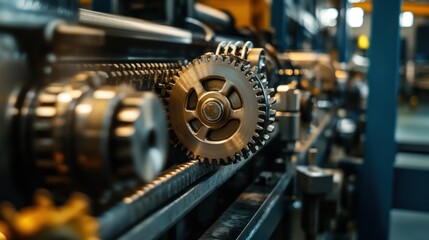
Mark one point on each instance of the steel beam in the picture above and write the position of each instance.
(376, 177)
(279, 23)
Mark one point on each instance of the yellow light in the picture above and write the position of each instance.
(341, 74)
(281, 71)
(83, 108)
(64, 97)
(296, 72)
(46, 111)
(282, 88)
(124, 131)
(129, 115)
(289, 72)
(104, 94)
(363, 42)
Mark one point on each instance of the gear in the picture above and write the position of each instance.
(46, 221)
(52, 110)
(99, 133)
(223, 114)
(136, 136)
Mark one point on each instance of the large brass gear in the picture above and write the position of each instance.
(216, 109)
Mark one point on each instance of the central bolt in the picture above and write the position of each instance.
(212, 110)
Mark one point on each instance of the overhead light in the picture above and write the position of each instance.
(355, 1)
(406, 19)
(328, 17)
(355, 17)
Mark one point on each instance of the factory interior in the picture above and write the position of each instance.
(214, 119)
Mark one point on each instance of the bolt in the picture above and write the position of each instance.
(212, 111)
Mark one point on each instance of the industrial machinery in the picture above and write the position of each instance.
(113, 126)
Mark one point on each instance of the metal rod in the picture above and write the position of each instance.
(133, 27)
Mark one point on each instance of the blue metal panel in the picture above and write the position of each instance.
(376, 177)
(279, 22)
(343, 41)
(103, 6)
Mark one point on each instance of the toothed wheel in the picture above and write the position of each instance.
(137, 137)
(214, 109)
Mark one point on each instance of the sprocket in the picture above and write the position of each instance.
(217, 110)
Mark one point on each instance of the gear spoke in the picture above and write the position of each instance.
(226, 88)
(199, 90)
(237, 114)
(189, 115)
(202, 132)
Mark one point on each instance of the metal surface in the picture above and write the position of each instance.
(151, 196)
(288, 112)
(380, 146)
(134, 28)
(228, 83)
(264, 221)
(157, 223)
(255, 213)
(36, 13)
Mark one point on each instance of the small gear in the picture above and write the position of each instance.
(87, 134)
(44, 220)
(215, 107)
(51, 115)
(136, 131)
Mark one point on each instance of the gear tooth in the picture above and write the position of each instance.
(185, 68)
(265, 83)
(202, 160)
(266, 137)
(272, 101)
(271, 119)
(260, 97)
(270, 91)
(175, 79)
(245, 152)
(256, 135)
(272, 112)
(214, 58)
(261, 76)
(259, 128)
(205, 58)
(270, 128)
(261, 105)
(196, 61)
(260, 120)
(254, 69)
